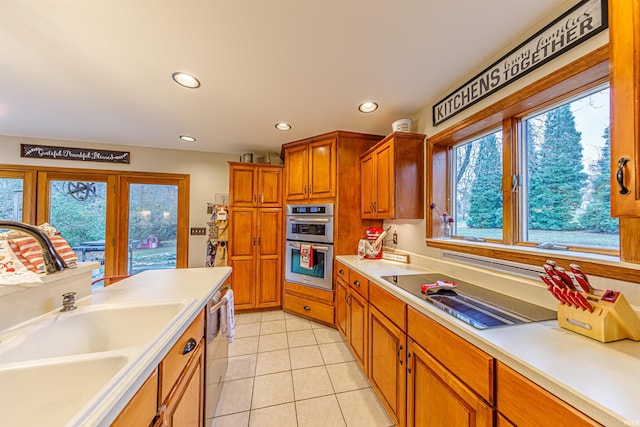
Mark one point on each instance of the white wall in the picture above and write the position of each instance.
(209, 174)
(411, 234)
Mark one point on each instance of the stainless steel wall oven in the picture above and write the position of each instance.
(310, 226)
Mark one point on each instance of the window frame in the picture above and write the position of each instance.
(578, 76)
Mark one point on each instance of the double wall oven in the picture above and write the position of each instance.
(310, 227)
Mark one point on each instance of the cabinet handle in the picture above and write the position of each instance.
(375, 206)
(254, 241)
(255, 198)
(262, 198)
(408, 364)
(258, 241)
(399, 350)
(620, 175)
(310, 189)
(304, 189)
(189, 346)
(371, 206)
(357, 283)
(307, 308)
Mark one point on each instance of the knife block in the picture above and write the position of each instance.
(609, 321)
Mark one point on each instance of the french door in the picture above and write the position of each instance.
(128, 222)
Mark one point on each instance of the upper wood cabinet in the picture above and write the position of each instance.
(392, 178)
(255, 185)
(624, 57)
(311, 170)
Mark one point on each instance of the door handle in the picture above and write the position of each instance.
(620, 175)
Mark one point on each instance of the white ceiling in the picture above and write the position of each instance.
(100, 70)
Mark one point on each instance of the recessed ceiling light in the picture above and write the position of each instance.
(186, 80)
(368, 107)
(283, 126)
(187, 138)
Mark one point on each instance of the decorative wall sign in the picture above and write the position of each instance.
(66, 153)
(581, 22)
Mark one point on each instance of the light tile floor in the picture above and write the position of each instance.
(288, 371)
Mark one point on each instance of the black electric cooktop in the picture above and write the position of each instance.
(479, 307)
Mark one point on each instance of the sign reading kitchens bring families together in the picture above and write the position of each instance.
(578, 24)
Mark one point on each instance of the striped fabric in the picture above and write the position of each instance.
(28, 248)
(20, 257)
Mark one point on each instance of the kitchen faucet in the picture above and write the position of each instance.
(52, 261)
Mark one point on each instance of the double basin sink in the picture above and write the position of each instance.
(62, 364)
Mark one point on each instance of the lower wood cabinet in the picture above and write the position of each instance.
(143, 406)
(387, 365)
(312, 303)
(436, 398)
(173, 395)
(520, 401)
(352, 320)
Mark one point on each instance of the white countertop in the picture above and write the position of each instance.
(197, 285)
(601, 380)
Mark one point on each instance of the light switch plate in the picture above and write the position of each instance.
(198, 231)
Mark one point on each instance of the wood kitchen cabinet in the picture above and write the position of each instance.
(352, 308)
(392, 178)
(436, 398)
(311, 170)
(307, 301)
(624, 60)
(520, 401)
(173, 395)
(255, 253)
(143, 406)
(255, 185)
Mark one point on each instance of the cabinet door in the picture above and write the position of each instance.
(624, 53)
(242, 186)
(367, 179)
(385, 182)
(270, 187)
(342, 308)
(296, 165)
(358, 337)
(322, 169)
(436, 398)
(269, 249)
(185, 408)
(142, 408)
(242, 249)
(387, 370)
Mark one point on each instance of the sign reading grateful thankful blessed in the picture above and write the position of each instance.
(66, 153)
(578, 24)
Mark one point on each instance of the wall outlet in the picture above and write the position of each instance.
(198, 231)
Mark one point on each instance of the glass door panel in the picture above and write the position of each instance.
(78, 210)
(153, 227)
(11, 198)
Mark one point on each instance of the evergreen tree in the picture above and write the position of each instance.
(597, 215)
(485, 204)
(557, 181)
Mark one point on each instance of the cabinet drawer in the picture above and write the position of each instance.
(309, 291)
(473, 366)
(175, 361)
(520, 400)
(359, 283)
(309, 308)
(388, 304)
(342, 271)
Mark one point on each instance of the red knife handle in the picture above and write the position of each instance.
(547, 280)
(557, 295)
(552, 263)
(565, 278)
(570, 298)
(583, 301)
(558, 281)
(582, 281)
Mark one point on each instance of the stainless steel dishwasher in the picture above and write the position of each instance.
(216, 354)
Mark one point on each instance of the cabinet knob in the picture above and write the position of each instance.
(307, 308)
(356, 283)
(189, 346)
(341, 271)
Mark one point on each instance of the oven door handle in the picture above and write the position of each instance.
(315, 247)
(309, 220)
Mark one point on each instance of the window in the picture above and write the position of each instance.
(532, 169)
(477, 187)
(565, 174)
